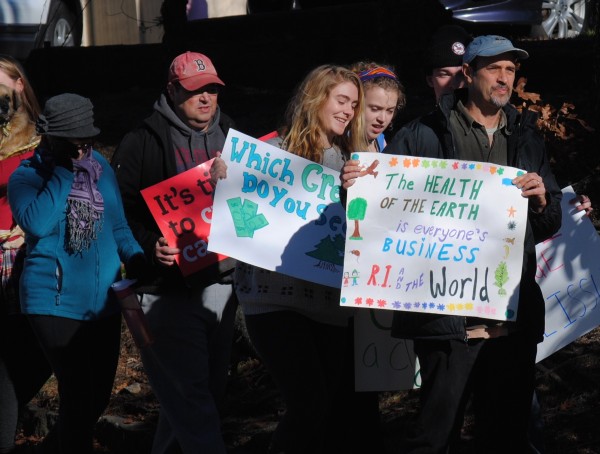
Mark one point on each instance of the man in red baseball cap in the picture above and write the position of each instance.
(192, 318)
(193, 71)
(193, 90)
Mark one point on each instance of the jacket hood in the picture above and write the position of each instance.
(163, 106)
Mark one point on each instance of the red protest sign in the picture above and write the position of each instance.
(182, 208)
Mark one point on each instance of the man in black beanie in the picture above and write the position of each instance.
(443, 60)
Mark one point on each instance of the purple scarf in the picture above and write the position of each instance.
(85, 205)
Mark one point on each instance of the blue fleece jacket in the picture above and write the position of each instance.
(53, 282)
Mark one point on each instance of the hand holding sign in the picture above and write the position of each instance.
(164, 254)
(435, 236)
(182, 208)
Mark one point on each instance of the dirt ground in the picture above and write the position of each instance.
(567, 386)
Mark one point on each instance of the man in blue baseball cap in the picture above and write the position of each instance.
(462, 355)
(491, 46)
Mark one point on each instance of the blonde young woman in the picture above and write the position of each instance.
(297, 327)
(360, 426)
(384, 98)
(19, 380)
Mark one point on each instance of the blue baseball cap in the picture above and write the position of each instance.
(490, 46)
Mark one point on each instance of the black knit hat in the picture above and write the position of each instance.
(68, 115)
(447, 47)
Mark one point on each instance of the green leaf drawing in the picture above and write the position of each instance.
(501, 277)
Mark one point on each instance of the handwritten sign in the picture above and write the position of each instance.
(381, 362)
(434, 236)
(182, 208)
(278, 211)
(568, 272)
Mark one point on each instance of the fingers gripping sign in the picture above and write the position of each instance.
(532, 187)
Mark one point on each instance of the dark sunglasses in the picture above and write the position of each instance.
(70, 148)
(212, 89)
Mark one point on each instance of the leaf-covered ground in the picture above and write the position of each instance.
(567, 385)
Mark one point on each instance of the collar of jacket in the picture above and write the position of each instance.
(513, 116)
(515, 120)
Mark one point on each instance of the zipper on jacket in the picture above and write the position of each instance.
(58, 274)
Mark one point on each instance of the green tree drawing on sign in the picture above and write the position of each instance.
(329, 252)
(357, 208)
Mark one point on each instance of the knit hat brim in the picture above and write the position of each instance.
(68, 115)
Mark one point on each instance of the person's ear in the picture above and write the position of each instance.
(171, 90)
(429, 80)
(468, 73)
(19, 85)
(16, 99)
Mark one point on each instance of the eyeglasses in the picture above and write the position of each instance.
(79, 149)
(71, 147)
(84, 147)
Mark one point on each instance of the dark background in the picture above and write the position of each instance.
(262, 57)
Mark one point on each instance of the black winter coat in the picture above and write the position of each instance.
(143, 158)
(429, 136)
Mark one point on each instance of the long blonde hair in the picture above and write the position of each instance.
(303, 128)
(13, 69)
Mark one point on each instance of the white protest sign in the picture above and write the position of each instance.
(382, 363)
(278, 211)
(568, 272)
(434, 236)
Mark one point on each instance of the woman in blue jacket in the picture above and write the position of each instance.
(66, 200)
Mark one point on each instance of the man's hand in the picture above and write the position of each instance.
(218, 170)
(532, 187)
(583, 203)
(163, 254)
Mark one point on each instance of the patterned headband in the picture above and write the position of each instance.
(378, 71)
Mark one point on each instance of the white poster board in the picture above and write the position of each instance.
(434, 236)
(568, 272)
(381, 362)
(278, 211)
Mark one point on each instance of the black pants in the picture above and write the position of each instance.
(23, 371)
(357, 428)
(84, 357)
(305, 359)
(500, 375)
